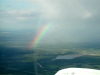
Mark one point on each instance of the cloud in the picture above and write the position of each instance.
(87, 15)
(19, 19)
(55, 9)
(74, 20)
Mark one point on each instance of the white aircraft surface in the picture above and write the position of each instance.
(78, 71)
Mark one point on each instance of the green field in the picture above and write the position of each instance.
(40, 60)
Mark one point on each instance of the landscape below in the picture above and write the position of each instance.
(46, 61)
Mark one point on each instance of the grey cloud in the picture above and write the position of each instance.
(75, 21)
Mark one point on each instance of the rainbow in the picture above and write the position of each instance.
(43, 30)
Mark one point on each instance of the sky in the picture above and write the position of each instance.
(74, 21)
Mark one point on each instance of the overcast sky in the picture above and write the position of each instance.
(75, 21)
